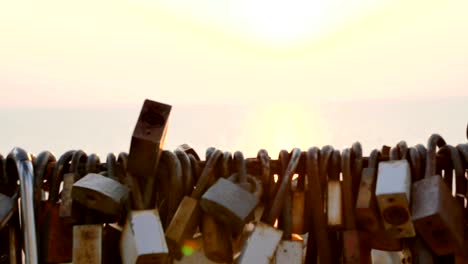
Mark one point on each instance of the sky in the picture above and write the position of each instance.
(74, 53)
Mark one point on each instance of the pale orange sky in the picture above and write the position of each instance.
(59, 53)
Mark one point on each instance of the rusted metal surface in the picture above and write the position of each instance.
(436, 214)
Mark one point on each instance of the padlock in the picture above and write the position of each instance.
(367, 214)
(135, 199)
(262, 243)
(55, 235)
(13, 231)
(230, 203)
(351, 245)
(70, 212)
(330, 169)
(262, 157)
(147, 144)
(19, 163)
(335, 194)
(217, 237)
(437, 216)
(393, 191)
(288, 249)
(104, 194)
(300, 215)
(195, 252)
(187, 217)
(457, 165)
(318, 226)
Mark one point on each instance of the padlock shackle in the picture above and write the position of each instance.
(356, 167)
(415, 162)
(92, 163)
(226, 164)
(434, 141)
(264, 159)
(22, 164)
(278, 200)
(324, 156)
(78, 158)
(402, 149)
(60, 167)
(42, 162)
(286, 213)
(394, 153)
(422, 158)
(241, 167)
(457, 165)
(204, 179)
(196, 170)
(187, 177)
(374, 158)
(349, 214)
(188, 150)
(334, 166)
(318, 225)
(131, 183)
(176, 182)
(111, 165)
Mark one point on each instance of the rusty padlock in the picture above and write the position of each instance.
(367, 214)
(437, 216)
(176, 191)
(393, 193)
(289, 249)
(87, 241)
(19, 163)
(262, 243)
(142, 239)
(187, 217)
(147, 144)
(217, 237)
(104, 194)
(300, 215)
(229, 202)
(69, 211)
(318, 226)
(8, 200)
(55, 235)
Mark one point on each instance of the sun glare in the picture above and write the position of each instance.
(272, 22)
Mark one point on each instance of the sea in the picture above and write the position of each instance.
(247, 127)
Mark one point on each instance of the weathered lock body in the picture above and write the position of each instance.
(299, 217)
(288, 249)
(318, 228)
(393, 192)
(56, 237)
(147, 144)
(69, 211)
(229, 202)
(262, 243)
(217, 237)
(187, 216)
(87, 244)
(437, 216)
(367, 214)
(111, 234)
(143, 238)
(100, 193)
(19, 163)
(195, 252)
